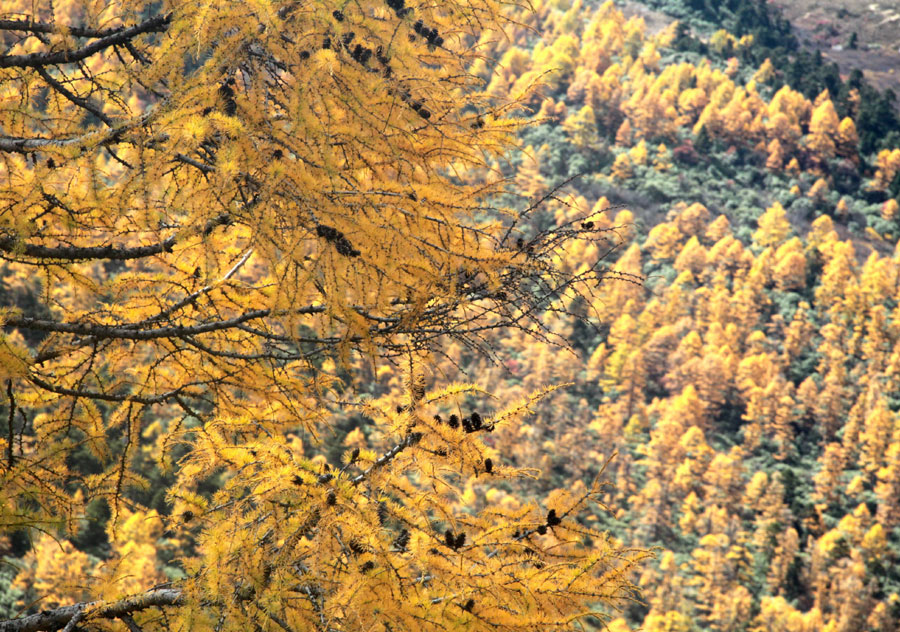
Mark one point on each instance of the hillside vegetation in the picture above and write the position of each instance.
(749, 388)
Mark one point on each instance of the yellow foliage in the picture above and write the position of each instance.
(233, 214)
(765, 72)
(732, 66)
(638, 153)
(821, 231)
(874, 541)
(823, 128)
(888, 164)
(718, 229)
(664, 240)
(841, 208)
(662, 160)
(777, 615)
(13, 356)
(847, 138)
(818, 190)
(790, 266)
(57, 571)
(623, 134)
(692, 257)
(773, 226)
(622, 168)
(582, 127)
(775, 159)
(721, 40)
(316, 155)
(671, 621)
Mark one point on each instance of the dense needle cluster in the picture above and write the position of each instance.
(366, 567)
(384, 61)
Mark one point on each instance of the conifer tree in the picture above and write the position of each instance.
(824, 128)
(225, 209)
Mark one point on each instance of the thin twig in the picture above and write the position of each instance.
(12, 412)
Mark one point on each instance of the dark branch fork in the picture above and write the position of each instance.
(156, 24)
(81, 102)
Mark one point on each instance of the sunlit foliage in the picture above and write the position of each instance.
(217, 219)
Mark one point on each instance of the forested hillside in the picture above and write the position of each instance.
(728, 394)
(749, 387)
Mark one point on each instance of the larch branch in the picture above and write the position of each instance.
(127, 332)
(59, 618)
(387, 457)
(34, 60)
(104, 397)
(29, 145)
(109, 252)
(44, 27)
(85, 104)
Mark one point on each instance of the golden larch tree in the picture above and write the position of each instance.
(224, 210)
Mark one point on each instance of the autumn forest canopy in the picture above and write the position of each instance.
(396, 316)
